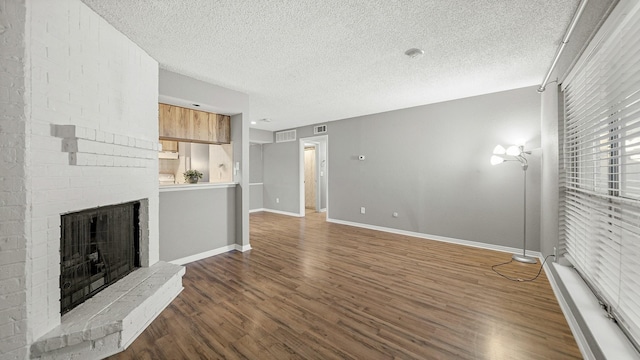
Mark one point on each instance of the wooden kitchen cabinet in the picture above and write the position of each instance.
(169, 145)
(174, 122)
(199, 125)
(219, 126)
(182, 124)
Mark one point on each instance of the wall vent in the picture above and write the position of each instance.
(286, 136)
(320, 129)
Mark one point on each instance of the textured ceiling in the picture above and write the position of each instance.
(310, 61)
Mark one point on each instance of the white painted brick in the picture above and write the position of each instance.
(76, 58)
(6, 330)
(12, 346)
(13, 299)
(12, 315)
(11, 286)
(10, 243)
(12, 212)
(10, 257)
(8, 271)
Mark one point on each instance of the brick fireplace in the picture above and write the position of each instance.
(79, 131)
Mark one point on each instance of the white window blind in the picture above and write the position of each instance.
(600, 209)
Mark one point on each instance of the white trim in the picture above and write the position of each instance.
(255, 184)
(607, 335)
(206, 254)
(203, 255)
(199, 186)
(322, 210)
(256, 210)
(243, 248)
(301, 194)
(578, 335)
(475, 244)
(283, 212)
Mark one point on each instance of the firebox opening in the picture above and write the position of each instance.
(98, 247)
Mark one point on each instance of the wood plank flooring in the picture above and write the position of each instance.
(316, 290)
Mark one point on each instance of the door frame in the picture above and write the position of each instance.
(317, 141)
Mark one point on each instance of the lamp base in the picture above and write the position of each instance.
(524, 259)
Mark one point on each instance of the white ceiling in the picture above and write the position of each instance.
(311, 61)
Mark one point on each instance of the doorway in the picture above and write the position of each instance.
(310, 181)
(313, 174)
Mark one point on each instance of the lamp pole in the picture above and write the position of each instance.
(524, 258)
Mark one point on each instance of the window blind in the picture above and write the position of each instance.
(600, 174)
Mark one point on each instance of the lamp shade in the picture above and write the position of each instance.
(514, 150)
(495, 160)
(499, 150)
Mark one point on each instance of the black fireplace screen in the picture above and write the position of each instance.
(98, 247)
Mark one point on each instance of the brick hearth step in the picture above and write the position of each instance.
(111, 320)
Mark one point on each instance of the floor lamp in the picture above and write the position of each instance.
(516, 153)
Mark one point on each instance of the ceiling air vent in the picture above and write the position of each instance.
(320, 129)
(286, 136)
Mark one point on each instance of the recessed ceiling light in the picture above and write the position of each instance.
(253, 123)
(414, 53)
(265, 120)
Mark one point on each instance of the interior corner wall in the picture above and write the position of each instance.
(240, 143)
(281, 173)
(430, 164)
(14, 209)
(102, 89)
(549, 195)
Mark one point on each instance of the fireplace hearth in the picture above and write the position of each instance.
(98, 247)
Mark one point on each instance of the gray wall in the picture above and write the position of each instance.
(255, 176)
(240, 143)
(255, 163)
(260, 136)
(431, 165)
(196, 221)
(281, 176)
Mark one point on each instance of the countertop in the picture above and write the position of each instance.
(198, 186)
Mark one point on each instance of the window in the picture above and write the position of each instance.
(600, 217)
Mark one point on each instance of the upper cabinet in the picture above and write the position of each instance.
(178, 123)
(174, 122)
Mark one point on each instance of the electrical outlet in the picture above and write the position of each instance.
(362, 210)
(395, 214)
(277, 200)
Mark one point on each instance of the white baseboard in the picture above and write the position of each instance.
(206, 254)
(256, 210)
(282, 212)
(475, 244)
(203, 255)
(243, 248)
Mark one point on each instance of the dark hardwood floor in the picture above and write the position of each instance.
(316, 290)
